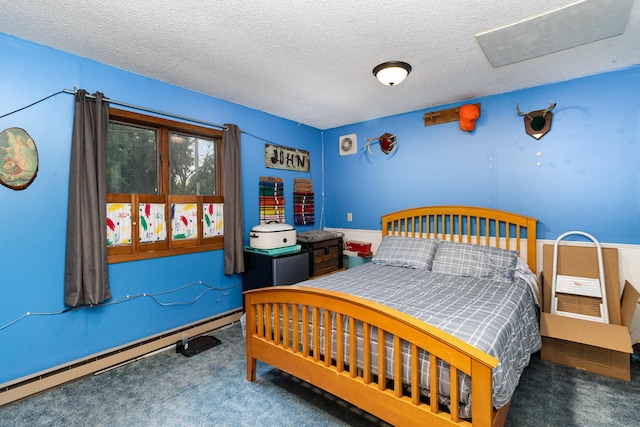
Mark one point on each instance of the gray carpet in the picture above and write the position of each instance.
(209, 389)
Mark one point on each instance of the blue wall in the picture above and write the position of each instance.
(33, 221)
(587, 178)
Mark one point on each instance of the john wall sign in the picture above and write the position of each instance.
(279, 157)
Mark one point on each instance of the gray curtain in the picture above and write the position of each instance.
(86, 274)
(232, 190)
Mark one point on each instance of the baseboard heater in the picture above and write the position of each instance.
(25, 387)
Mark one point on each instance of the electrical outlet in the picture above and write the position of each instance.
(349, 217)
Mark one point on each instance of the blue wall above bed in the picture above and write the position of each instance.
(582, 175)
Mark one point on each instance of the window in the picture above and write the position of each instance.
(164, 193)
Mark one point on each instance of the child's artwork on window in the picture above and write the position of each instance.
(213, 224)
(118, 224)
(184, 221)
(152, 222)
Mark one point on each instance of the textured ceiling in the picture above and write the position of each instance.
(311, 62)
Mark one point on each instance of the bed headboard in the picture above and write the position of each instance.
(467, 224)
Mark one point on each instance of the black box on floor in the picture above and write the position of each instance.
(197, 345)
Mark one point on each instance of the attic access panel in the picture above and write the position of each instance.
(570, 26)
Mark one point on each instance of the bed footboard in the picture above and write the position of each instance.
(360, 376)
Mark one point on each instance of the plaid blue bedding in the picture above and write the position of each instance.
(497, 317)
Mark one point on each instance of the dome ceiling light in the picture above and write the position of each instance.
(391, 73)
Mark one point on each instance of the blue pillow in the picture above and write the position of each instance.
(409, 252)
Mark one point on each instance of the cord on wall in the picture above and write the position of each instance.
(208, 288)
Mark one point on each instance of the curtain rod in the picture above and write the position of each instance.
(149, 110)
(175, 116)
(136, 107)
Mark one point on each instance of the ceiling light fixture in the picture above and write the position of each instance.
(391, 73)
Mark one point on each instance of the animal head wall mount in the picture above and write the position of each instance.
(537, 123)
(388, 143)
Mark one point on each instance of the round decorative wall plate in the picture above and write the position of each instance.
(18, 159)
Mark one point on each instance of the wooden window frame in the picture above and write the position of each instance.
(169, 247)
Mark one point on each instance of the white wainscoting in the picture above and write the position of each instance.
(628, 261)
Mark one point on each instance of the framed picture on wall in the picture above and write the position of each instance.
(18, 159)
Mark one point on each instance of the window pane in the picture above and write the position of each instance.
(132, 159)
(193, 165)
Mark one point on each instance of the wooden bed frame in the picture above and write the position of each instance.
(286, 346)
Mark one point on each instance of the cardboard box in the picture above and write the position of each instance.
(593, 346)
